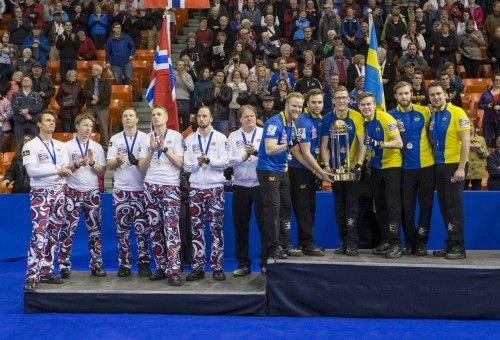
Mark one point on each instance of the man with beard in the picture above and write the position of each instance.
(417, 168)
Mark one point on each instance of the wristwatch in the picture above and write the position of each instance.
(165, 150)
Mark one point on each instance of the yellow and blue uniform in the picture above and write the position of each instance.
(417, 177)
(413, 125)
(346, 194)
(277, 128)
(308, 129)
(445, 127)
(382, 127)
(354, 122)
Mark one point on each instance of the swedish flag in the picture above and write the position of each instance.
(373, 73)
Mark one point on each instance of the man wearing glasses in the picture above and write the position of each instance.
(346, 194)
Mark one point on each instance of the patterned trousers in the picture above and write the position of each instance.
(129, 210)
(47, 219)
(88, 202)
(163, 205)
(207, 205)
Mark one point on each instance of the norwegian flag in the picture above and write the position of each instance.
(177, 3)
(161, 90)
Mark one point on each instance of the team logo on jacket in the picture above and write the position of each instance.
(302, 133)
(463, 122)
(271, 130)
(74, 156)
(196, 147)
(392, 126)
(43, 157)
(26, 153)
(314, 133)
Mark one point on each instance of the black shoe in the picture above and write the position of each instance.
(455, 254)
(219, 275)
(352, 252)
(279, 254)
(409, 249)
(124, 271)
(342, 248)
(440, 252)
(294, 252)
(195, 275)
(51, 279)
(240, 272)
(420, 250)
(65, 273)
(175, 280)
(144, 270)
(98, 272)
(313, 250)
(394, 252)
(381, 249)
(30, 284)
(159, 274)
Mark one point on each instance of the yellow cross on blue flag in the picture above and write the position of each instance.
(373, 73)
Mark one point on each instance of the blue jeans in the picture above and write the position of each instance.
(121, 72)
(221, 125)
(24, 128)
(184, 111)
(234, 123)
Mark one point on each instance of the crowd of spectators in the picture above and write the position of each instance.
(248, 52)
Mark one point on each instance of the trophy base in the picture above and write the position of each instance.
(343, 176)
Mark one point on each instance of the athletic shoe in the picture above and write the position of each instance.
(295, 252)
(352, 252)
(409, 249)
(440, 252)
(144, 270)
(124, 271)
(30, 284)
(98, 272)
(381, 249)
(175, 280)
(65, 273)
(240, 272)
(341, 249)
(455, 254)
(394, 252)
(420, 250)
(219, 275)
(159, 274)
(195, 275)
(313, 250)
(51, 279)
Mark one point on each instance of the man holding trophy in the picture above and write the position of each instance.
(343, 152)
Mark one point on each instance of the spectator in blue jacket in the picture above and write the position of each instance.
(98, 23)
(39, 46)
(26, 107)
(120, 50)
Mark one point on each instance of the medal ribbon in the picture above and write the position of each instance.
(84, 154)
(130, 150)
(208, 144)
(53, 153)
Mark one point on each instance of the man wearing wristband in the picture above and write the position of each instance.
(47, 166)
(206, 156)
(128, 193)
(383, 141)
(304, 169)
(278, 138)
(417, 174)
(345, 193)
(162, 162)
(87, 161)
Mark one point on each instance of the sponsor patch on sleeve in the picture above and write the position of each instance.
(271, 130)
(26, 153)
(463, 122)
(392, 127)
(301, 133)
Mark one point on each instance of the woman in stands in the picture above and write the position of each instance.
(200, 86)
(16, 174)
(280, 93)
(71, 100)
(478, 151)
(5, 115)
(455, 79)
(310, 59)
(490, 103)
(493, 165)
(469, 45)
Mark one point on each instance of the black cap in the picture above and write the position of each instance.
(37, 64)
(267, 98)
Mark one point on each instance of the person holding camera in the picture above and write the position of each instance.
(490, 103)
(128, 193)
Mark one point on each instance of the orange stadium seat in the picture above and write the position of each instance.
(100, 54)
(476, 81)
(83, 66)
(148, 55)
(123, 92)
(141, 70)
(63, 136)
(96, 137)
(115, 108)
(476, 88)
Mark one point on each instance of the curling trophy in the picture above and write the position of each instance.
(339, 147)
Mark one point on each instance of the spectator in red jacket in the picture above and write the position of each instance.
(87, 48)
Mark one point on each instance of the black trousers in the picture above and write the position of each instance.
(275, 193)
(475, 184)
(243, 199)
(471, 67)
(346, 202)
(303, 194)
(450, 204)
(386, 187)
(417, 183)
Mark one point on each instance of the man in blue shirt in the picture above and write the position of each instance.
(278, 138)
(120, 50)
(303, 171)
